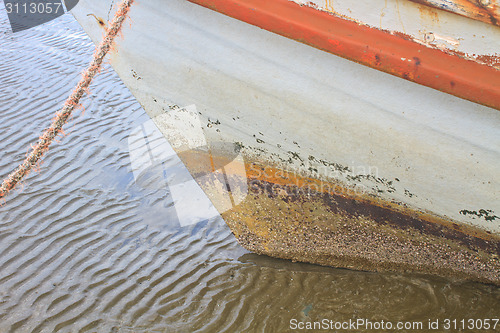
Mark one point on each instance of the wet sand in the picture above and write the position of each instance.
(85, 246)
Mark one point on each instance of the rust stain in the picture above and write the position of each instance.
(331, 231)
(275, 175)
(490, 60)
(203, 161)
(329, 6)
(399, 16)
(427, 13)
(99, 20)
(474, 81)
(292, 216)
(382, 13)
(487, 11)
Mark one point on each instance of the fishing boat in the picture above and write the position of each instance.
(353, 134)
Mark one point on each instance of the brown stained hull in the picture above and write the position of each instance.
(303, 219)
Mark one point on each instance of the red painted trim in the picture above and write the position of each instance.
(369, 46)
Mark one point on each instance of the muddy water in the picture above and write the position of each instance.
(89, 246)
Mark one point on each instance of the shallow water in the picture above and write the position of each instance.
(88, 246)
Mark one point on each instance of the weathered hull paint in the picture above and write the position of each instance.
(394, 54)
(487, 11)
(303, 131)
(332, 230)
(427, 25)
(302, 219)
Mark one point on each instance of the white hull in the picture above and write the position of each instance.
(299, 108)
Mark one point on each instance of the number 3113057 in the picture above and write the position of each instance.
(33, 8)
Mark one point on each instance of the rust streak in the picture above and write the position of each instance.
(429, 12)
(487, 11)
(201, 162)
(297, 217)
(277, 176)
(98, 19)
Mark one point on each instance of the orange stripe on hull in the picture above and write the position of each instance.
(382, 50)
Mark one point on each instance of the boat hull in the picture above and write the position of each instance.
(344, 165)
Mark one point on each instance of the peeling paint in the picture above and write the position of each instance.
(382, 50)
(487, 11)
(429, 20)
